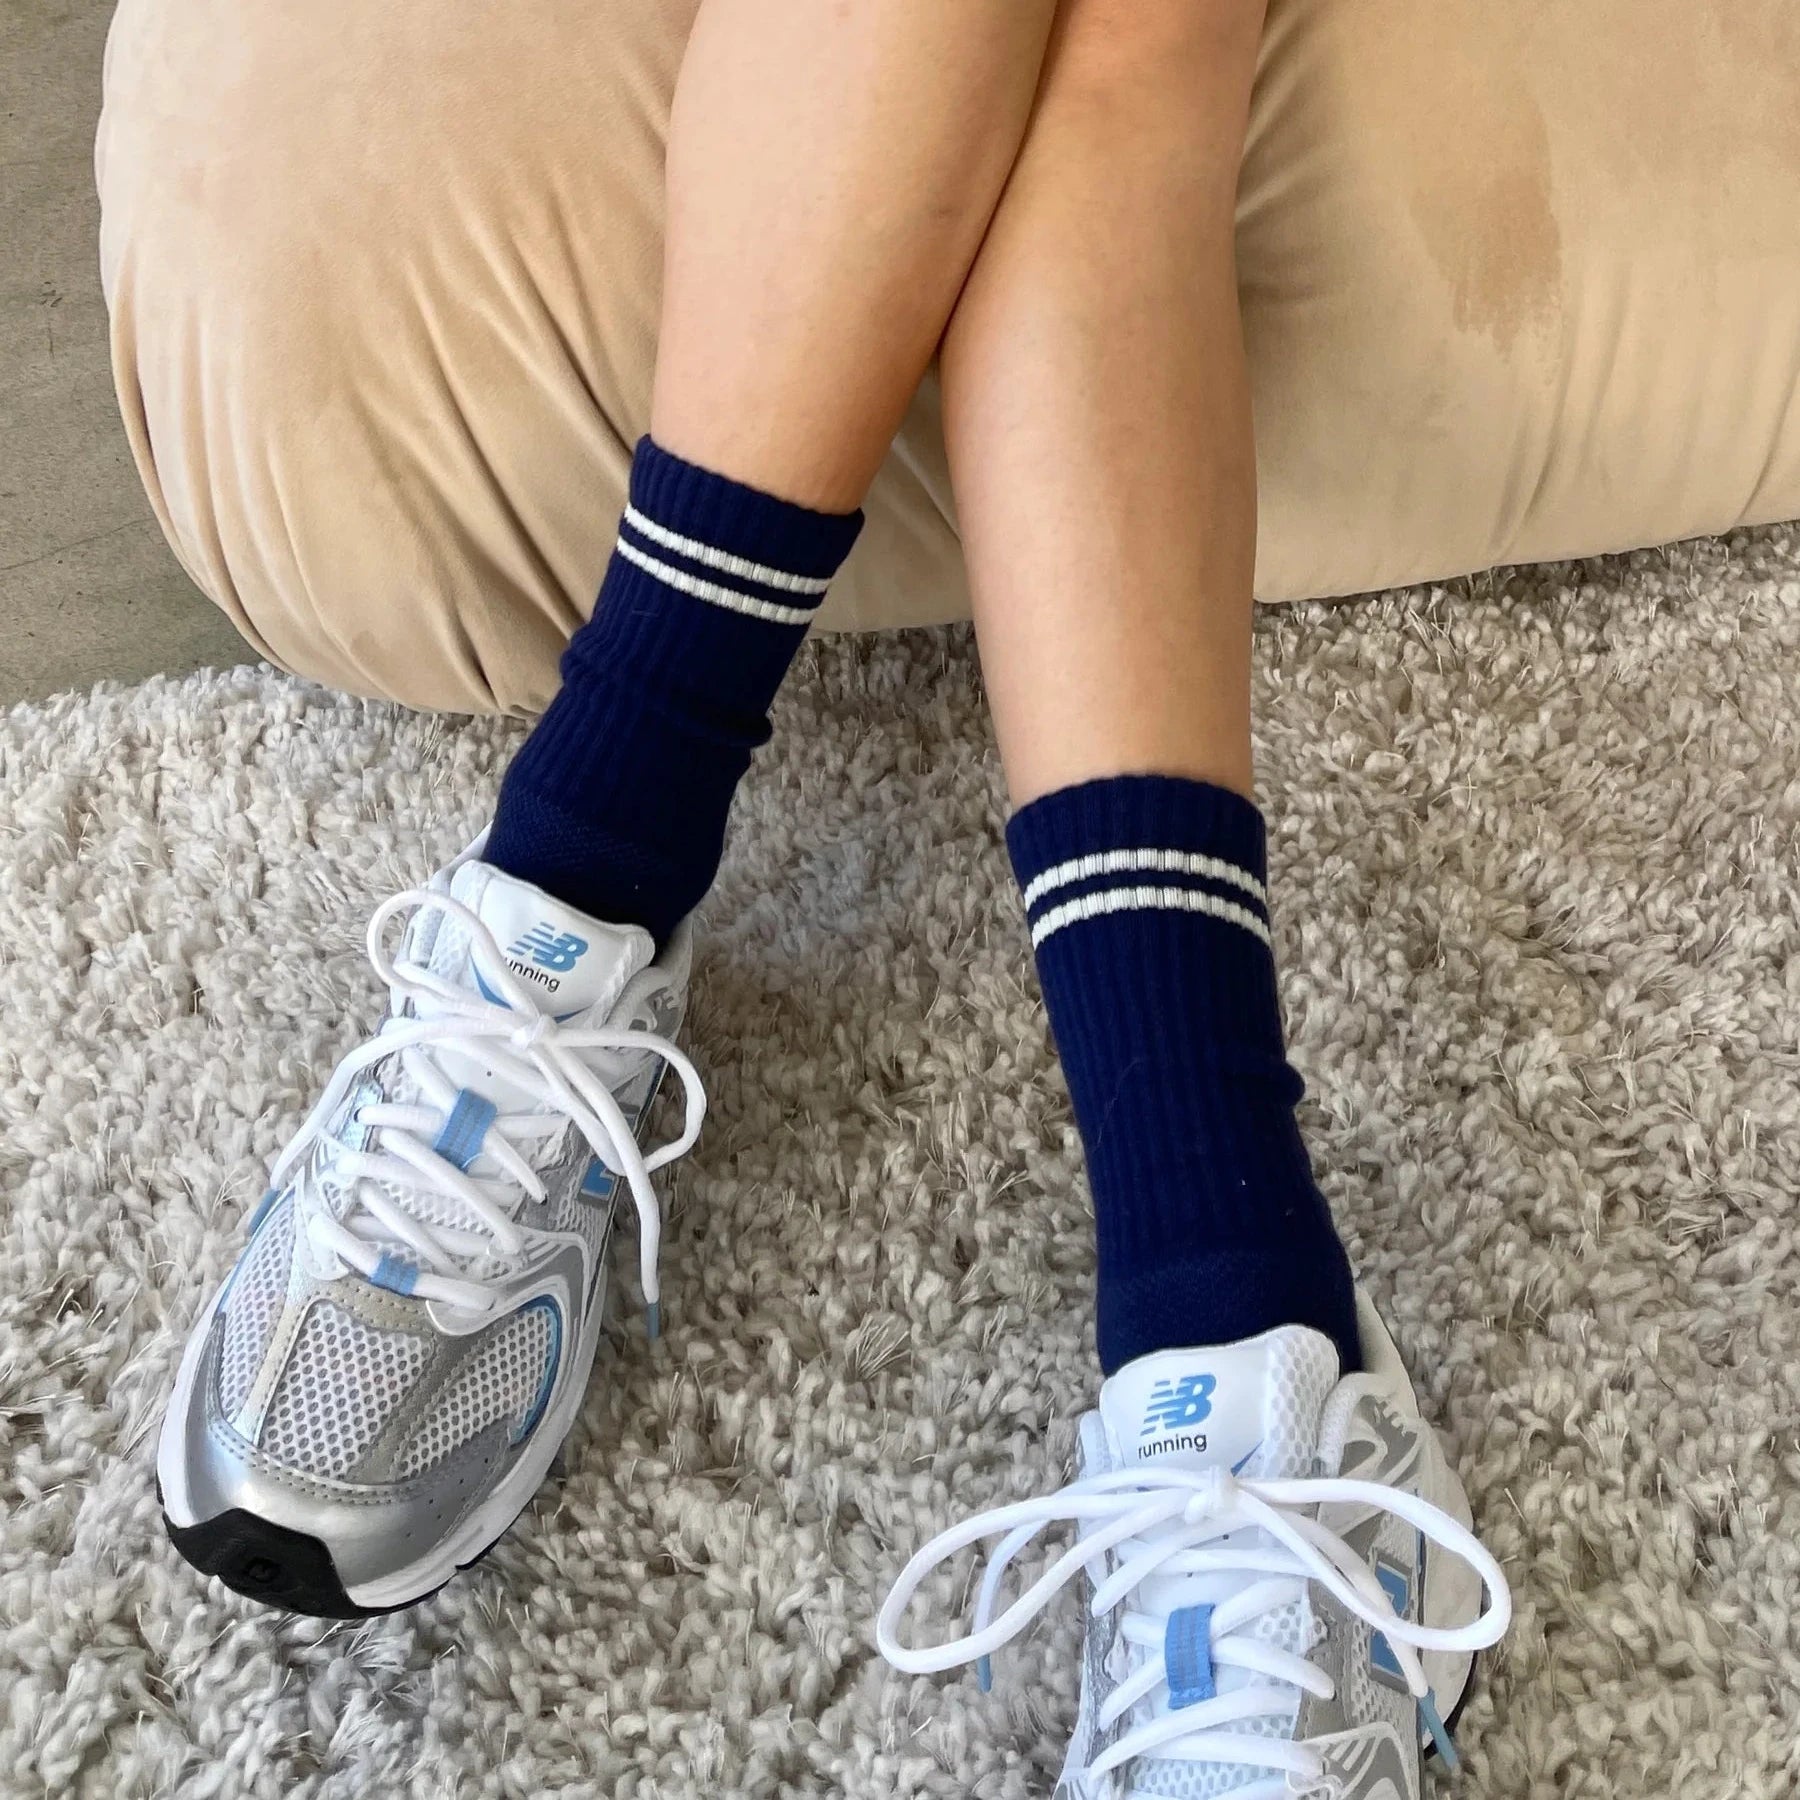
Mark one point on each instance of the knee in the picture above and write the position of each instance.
(1144, 59)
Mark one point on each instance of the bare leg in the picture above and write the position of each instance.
(1098, 411)
(832, 169)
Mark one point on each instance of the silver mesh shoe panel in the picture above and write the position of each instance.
(342, 1383)
(566, 1211)
(253, 1307)
(503, 1379)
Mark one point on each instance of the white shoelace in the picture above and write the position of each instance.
(532, 1051)
(1169, 1521)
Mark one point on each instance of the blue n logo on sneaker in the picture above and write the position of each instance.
(1397, 1582)
(549, 948)
(1175, 1405)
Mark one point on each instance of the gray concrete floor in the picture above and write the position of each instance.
(88, 589)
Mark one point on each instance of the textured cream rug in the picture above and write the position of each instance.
(1537, 851)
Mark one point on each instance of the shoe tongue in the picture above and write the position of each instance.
(1252, 1407)
(567, 961)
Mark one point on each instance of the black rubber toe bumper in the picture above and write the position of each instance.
(269, 1563)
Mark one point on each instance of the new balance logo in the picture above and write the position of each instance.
(552, 954)
(1175, 1405)
(1397, 1583)
(1368, 1762)
(549, 948)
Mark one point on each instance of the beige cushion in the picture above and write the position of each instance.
(1521, 280)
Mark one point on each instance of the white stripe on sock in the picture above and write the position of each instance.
(1167, 862)
(723, 560)
(1145, 899)
(682, 582)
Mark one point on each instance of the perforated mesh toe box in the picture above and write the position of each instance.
(506, 1377)
(344, 1380)
(253, 1305)
(350, 1387)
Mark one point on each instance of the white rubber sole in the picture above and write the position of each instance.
(171, 1465)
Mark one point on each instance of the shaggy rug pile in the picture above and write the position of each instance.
(1537, 849)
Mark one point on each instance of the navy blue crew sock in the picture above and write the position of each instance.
(616, 803)
(1149, 914)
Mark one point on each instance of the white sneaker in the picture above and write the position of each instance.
(1285, 1596)
(382, 1383)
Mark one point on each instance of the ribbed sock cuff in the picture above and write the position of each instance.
(617, 802)
(1126, 812)
(737, 519)
(1153, 887)
(709, 593)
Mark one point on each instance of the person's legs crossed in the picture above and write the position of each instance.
(1097, 407)
(831, 172)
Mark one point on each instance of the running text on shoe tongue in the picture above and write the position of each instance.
(568, 961)
(542, 953)
(1252, 1407)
